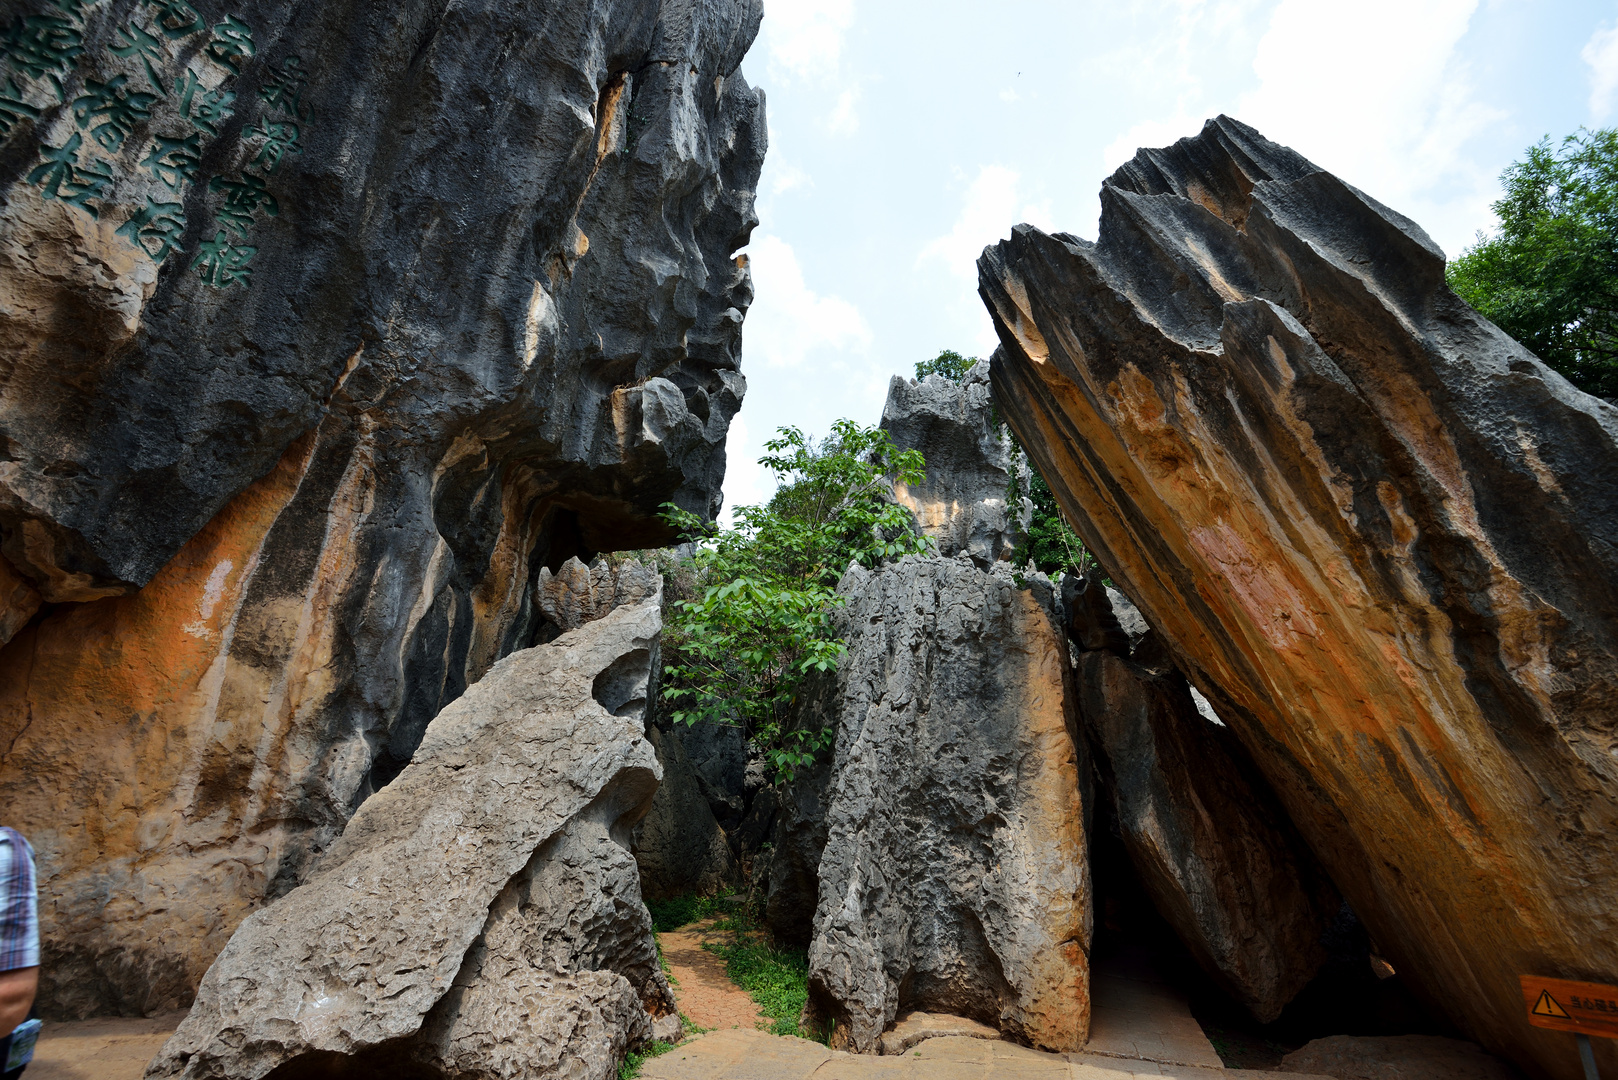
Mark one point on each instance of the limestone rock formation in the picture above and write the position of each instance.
(1210, 844)
(482, 911)
(963, 503)
(679, 846)
(577, 594)
(343, 322)
(1374, 531)
(954, 876)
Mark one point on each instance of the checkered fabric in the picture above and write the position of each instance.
(19, 907)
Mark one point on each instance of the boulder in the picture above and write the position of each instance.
(481, 914)
(954, 876)
(913, 1028)
(963, 502)
(1208, 841)
(1398, 1057)
(311, 368)
(1373, 530)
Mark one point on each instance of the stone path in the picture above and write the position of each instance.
(113, 1048)
(704, 992)
(1135, 1015)
(755, 1055)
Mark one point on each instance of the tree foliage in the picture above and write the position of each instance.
(1549, 274)
(760, 622)
(1050, 544)
(949, 363)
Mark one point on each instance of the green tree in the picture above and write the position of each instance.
(1053, 547)
(1549, 274)
(760, 620)
(949, 363)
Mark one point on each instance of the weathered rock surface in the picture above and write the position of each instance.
(963, 502)
(482, 913)
(1210, 844)
(484, 314)
(910, 1029)
(1375, 532)
(1398, 1057)
(679, 845)
(954, 876)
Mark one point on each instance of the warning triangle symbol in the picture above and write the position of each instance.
(1548, 1006)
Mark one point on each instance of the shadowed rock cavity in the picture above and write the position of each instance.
(954, 875)
(1370, 527)
(481, 916)
(1207, 839)
(490, 320)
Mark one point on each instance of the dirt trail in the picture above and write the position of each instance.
(706, 995)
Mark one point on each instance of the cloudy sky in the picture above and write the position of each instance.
(906, 135)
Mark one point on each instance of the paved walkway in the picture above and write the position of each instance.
(755, 1055)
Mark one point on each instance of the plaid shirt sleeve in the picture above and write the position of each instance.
(19, 905)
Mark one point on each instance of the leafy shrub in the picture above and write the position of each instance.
(949, 363)
(760, 618)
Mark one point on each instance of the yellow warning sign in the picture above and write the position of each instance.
(1547, 1006)
(1566, 1005)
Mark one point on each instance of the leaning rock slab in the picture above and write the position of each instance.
(1376, 533)
(954, 877)
(483, 905)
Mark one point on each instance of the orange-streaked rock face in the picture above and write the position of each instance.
(1376, 532)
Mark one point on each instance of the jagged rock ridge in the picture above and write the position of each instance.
(1372, 529)
(376, 312)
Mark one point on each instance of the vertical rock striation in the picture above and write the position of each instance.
(954, 876)
(1374, 530)
(481, 914)
(323, 328)
(963, 503)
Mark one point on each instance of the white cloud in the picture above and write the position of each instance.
(747, 483)
(1601, 53)
(786, 178)
(806, 36)
(993, 205)
(1375, 92)
(843, 119)
(789, 320)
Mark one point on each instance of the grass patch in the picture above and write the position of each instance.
(629, 1068)
(778, 979)
(678, 911)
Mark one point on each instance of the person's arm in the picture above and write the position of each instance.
(17, 988)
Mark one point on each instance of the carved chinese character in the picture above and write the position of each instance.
(62, 177)
(157, 229)
(279, 138)
(206, 109)
(36, 45)
(174, 161)
(231, 44)
(13, 108)
(137, 42)
(176, 18)
(222, 264)
(109, 113)
(242, 199)
(283, 89)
